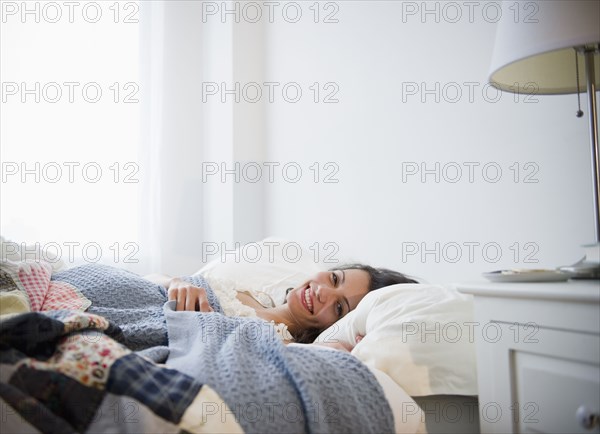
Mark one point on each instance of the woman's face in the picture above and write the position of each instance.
(327, 297)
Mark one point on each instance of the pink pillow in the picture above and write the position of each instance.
(35, 278)
(44, 294)
(63, 295)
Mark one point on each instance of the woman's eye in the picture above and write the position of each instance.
(334, 277)
(338, 310)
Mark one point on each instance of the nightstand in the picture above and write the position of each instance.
(538, 356)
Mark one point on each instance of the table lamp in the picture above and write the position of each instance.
(554, 48)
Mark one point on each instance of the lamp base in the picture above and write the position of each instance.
(588, 267)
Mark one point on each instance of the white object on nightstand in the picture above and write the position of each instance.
(538, 356)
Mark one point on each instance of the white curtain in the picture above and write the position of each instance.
(171, 139)
(182, 215)
(75, 149)
(162, 222)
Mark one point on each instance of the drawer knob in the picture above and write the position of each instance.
(586, 418)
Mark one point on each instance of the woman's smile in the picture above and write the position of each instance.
(307, 300)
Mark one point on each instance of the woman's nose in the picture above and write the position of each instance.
(323, 293)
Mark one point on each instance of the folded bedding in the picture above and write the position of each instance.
(72, 371)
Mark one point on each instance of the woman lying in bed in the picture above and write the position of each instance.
(136, 304)
(308, 309)
(63, 369)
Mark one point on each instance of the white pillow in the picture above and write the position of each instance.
(421, 335)
(271, 265)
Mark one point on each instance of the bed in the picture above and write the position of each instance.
(66, 367)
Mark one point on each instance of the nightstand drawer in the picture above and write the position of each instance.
(534, 380)
(538, 356)
(550, 390)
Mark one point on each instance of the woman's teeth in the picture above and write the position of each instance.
(308, 300)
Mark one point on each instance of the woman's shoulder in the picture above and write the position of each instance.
(225, 291)
(262, 298)
(228, 292)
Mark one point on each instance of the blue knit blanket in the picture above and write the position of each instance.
(269, 387)
(127, 300)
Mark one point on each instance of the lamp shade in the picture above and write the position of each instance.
(534, 48)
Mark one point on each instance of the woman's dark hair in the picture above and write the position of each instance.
(378, 278)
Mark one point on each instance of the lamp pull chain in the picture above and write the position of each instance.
(579, 111)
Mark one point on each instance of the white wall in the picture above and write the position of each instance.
(371, 56)
(371, 53)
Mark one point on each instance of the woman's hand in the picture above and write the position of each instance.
(188, 296)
